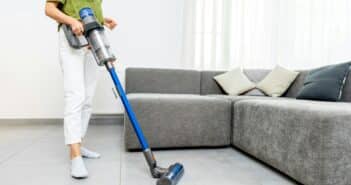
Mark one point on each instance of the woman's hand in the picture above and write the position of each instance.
(77, 27)
(110, 23)
(52, 10)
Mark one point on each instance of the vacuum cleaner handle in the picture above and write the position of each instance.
(74, 41)
(127, 106)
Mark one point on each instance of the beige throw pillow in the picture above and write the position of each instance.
(234, 82)
(277, 81)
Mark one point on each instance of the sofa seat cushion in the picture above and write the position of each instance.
(307, 140)
(177, 121)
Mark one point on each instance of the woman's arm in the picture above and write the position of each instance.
(53, 12)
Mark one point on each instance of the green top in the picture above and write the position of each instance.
(72, 7)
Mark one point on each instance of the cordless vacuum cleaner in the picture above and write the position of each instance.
(95, 37)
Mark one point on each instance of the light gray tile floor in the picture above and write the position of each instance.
(32, 153)
(204, 167)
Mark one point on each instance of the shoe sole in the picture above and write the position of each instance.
(91, 157)
(79, 178)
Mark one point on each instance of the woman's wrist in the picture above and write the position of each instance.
(71, 20)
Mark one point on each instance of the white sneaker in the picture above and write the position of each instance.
(89, 154)
(78, 169)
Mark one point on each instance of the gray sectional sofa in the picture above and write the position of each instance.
(309, 141)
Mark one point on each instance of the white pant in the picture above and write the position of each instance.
(80, 73)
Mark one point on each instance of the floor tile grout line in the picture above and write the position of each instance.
(14, 154)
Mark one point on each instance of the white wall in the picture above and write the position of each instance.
(149, 35)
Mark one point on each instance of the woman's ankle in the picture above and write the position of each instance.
(75, 150)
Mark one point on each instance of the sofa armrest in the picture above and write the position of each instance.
(307, 140)
(172, 81)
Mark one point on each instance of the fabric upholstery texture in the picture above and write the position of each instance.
(208, 84)
(308, 140)
(234, 82)
(254, 92)
(149, 80)
(256, 75)
(174, 120)
(296, 85)
(234, 99)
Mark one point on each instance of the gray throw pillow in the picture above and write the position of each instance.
(325, 83)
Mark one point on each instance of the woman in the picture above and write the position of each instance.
(80, 73)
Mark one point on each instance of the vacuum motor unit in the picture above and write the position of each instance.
(95, 35)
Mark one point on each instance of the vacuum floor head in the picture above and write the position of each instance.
(175, 172)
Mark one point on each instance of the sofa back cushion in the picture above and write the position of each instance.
(175, 81)
(170, 81)
(256, 75)
(208, 84)
(296, 85)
